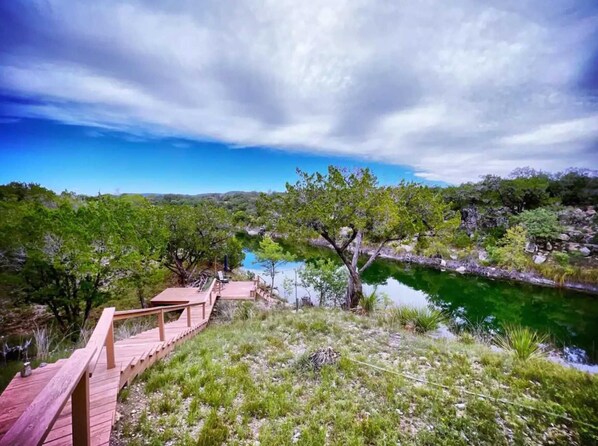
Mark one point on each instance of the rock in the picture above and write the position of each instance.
(564, 237)
(406, 248)
(584, 251)
(549, 246)
(442, 262)
(539, 259)
(482, 255)
(453, 256)
(460, 406)
(591, 212)
(531, 247)
(461, 270)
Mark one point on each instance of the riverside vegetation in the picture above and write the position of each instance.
(250, 380)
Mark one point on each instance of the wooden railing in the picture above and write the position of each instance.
(72, 380)
(264, 292)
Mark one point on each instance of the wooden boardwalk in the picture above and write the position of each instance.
(105, 367)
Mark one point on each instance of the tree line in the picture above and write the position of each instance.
(72, 253)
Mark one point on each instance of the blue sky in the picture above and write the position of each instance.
(135, 95)
(87, 160)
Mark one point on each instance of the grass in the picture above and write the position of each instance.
(521, 342)
(248, 382)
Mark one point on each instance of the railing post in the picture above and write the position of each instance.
(161, 326)
(189, 316)
(210, 297)
(110, 360)
(80, 412)
(203, 316)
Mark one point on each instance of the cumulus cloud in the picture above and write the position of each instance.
(452, 89)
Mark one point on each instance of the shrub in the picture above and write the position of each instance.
(421, 320)
(369, 302)
(461, 240)
(245, 311)
(540, 224)
(427, 319)
(562, 258)
(522, 342)
(510, 254)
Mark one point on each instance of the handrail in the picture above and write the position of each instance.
(72, 380)
(37, 420)
(130, 314)
(103, 335)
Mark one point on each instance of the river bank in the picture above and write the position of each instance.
(463, 267)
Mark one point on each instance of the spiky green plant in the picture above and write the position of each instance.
(427, 319)
(369, 302)
(245, 311)
(522, 342)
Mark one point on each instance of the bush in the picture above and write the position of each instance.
(510, 254)
(522, 342)
(461, 240)
(540, 224)
(245, 311)
(562, 258)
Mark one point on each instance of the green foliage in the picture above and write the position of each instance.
(522, 342)
(327, 279)
(69, 257)
(369, 302)
(245, 311)
(349, 207)
(214, 431)
(510, 254)
(562, 258)
(540, 224)
(271, 256)
(421, 320)
(198, 235)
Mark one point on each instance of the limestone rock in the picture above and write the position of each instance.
(539, 259)
(531, 247)
(482, 255)
(584, 251)
(442, 262)
(564, 237)
(461, 270)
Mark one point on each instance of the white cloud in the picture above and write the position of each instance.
(452, 89)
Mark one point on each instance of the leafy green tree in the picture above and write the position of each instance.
(348, 208)
(271, 257)
(328, 281)
(69, 258)
(511, 252)
(541, 224)
(524, 193)
(148, 239)
(198, 236)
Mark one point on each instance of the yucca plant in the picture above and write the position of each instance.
(369, 302)
(427, 319)
(522, 342)
(245, 311)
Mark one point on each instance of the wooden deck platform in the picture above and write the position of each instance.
(131, 357)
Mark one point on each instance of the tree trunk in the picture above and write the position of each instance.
(354, 288)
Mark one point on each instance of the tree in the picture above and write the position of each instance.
(541, 224)
(198, 236)
(347, 209)
(148, 239)
(69, 258)
(271, 256)
(510, 253)
(325, 277)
